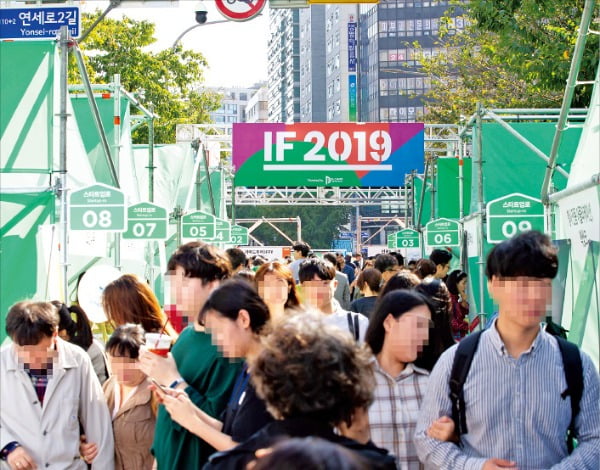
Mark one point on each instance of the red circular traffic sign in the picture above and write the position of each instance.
(240, 10)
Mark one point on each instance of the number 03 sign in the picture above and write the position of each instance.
(326, 154)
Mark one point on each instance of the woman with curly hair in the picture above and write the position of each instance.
(277, 288)
(313, 377)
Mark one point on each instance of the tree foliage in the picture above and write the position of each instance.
(169, 80)
(512, 53)
(320, 224)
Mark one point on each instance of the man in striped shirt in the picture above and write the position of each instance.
(516, 417)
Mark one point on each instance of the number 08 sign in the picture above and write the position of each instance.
(97, 207)
(326, 154)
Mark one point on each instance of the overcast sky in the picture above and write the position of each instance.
(236, 52)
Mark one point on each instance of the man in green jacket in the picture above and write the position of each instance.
(194, 364)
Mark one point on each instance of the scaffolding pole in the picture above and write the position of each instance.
(480, 209)
(96, 116)
(65, 44)
(586, 18)
(116, 154)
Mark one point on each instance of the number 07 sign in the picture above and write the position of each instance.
(97, 207)
(326, 154)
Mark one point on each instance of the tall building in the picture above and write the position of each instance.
(257, 109)
(233, 104)
(328, 63)
(312, 64)
(341, 23)
(390, 82)
(284, 65)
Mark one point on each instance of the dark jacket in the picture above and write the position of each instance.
(239, 456)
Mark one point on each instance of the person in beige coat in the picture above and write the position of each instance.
(48, 392)
(130, 402)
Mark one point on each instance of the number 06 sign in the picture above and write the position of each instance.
(326, 154)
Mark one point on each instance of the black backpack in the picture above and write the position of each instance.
(462, 363)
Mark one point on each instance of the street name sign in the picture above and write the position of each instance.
(512, 214)
(198, 225)
(38, 22)
(146, 221)
(407, 238)
(97, 207)
(239, 235)
(443, 232)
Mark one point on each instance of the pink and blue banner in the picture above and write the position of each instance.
(326, 154)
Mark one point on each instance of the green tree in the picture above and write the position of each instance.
(320, 224)
(169, 80)
(512, 53)
(536, 39)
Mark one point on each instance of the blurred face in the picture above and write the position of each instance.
(442, 270)
(188, 293)
(462, 285)
(274, 289)
(232, 337)
(297, 254)
(406, 336)
(36, 357)
(126, 370)
(523, 301)
(318, 292)
(389, 273)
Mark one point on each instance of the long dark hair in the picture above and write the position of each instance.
(232, 296)
(453, 279)
(80, 329)
(440, 337)
(395, 303)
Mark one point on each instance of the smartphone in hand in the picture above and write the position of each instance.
(159, 388)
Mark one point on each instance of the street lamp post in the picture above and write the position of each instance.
(174, 46)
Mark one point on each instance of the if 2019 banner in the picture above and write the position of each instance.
(326, 154)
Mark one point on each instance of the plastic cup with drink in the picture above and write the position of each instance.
(158, 343)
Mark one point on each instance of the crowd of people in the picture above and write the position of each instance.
(326, 362)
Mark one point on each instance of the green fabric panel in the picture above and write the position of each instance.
(447, 197)
(215, 179)
(90, 135)
(426, 214)
(18, 253)
(473, 289)
(559, 284)
(587, 288)
(509, 166)
(26, 83)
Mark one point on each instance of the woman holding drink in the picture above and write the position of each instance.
(236, 317)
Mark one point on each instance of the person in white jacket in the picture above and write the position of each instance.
(49, 396)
